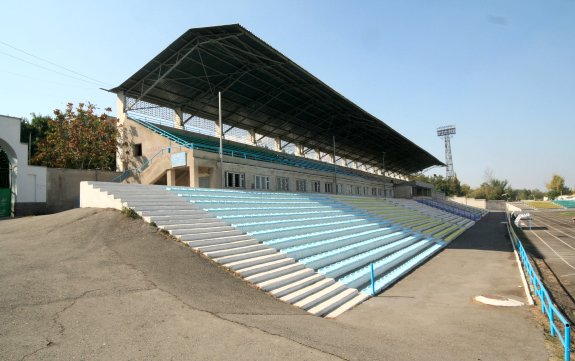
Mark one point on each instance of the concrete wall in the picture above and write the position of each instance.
(477, 203)
(63, 186)
(480, 203)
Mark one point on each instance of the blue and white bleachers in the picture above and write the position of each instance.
(313, 251)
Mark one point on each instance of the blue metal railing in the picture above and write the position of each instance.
(563, 331)
(451, 209)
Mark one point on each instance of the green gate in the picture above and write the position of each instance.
(5, 191)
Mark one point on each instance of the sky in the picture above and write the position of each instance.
(501, 71)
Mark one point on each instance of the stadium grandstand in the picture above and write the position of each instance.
(246, 157)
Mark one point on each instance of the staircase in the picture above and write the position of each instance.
(313, 251)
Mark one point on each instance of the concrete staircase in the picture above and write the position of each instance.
(313, 251)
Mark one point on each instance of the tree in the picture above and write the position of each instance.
(493, 189)
(34, 131)
(556, 187)
(79, 138)
(449, 186)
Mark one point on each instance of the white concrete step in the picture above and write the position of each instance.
(307, 291)
(262, 267)
(275, 273)
(164, 207)
(245, 256)
(221, 246)
(245, 263)
(172, 213)
(208, 235)
(214, 228)
(286, 279)
(317, 297)
(333, 302)
(361, 297)
(235, 250)
(185, 225)
(213, 241)
(183, 219)
(294, 286)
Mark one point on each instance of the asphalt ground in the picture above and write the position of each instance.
(92, 284)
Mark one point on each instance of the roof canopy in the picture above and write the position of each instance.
(265, 91)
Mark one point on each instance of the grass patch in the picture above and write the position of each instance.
(129, 212)
(542, 204)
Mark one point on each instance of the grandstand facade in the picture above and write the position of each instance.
(281, 128)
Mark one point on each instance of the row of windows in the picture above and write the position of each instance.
(238, 180)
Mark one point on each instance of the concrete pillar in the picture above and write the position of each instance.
(121, 156)
(354, 163)
(193, 170)
(299, 150)
(317, 154)
(121, 107)
(252, 136)
(278, 144)
(178, 118)
(171, 177)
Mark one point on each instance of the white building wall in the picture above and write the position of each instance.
(28, 182)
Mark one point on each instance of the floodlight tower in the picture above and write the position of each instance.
(446, 133)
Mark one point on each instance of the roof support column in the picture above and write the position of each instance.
(317, 154)
(121, 153)
(178, 118)
(252, 132)
(299, 150)
(278, 144)
(354, 163)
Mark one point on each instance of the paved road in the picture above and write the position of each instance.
(94, 284)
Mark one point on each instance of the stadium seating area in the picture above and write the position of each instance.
(454, 208)
(565, 203)
(314, 251)
(239, 150)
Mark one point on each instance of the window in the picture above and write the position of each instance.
(374, 191)
(339, 189)
(235, 180)
(316, 186)
(300, 185)
(283, 184)
(328, 187)
(349, 189)
(262, 182)
(357, 190)
(379, 192)
(138, 150)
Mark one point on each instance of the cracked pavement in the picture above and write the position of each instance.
(95, 284)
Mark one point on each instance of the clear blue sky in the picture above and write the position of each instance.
(502, 71)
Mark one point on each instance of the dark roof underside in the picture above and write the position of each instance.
(264, 90)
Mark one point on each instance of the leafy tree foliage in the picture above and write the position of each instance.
(34, 130)
(79, 138)
(556, 186)
(527, 194)
(449, 186)
(493, 189)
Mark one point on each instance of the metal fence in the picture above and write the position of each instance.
(559, 326)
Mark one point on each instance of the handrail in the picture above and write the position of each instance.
(547, 306)
(148, 161)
